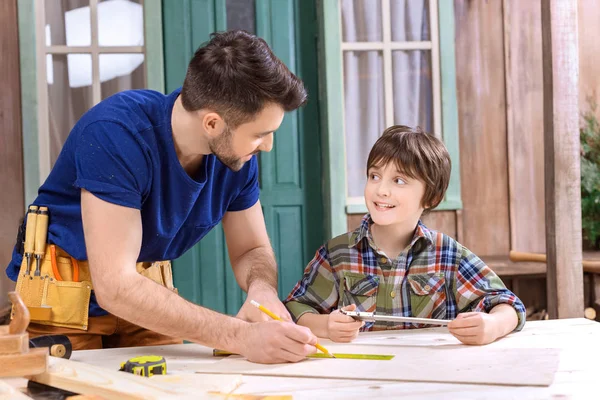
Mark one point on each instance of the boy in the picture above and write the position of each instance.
(392, 264)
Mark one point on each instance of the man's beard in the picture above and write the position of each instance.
(221, 148)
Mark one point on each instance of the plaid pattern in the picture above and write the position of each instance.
(435, 277)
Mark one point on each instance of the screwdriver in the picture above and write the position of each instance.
(41, 233)
(30, 235)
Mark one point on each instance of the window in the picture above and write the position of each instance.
(395, 60)
(83, 51)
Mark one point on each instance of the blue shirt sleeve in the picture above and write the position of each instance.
(111, 164)
(250, 192)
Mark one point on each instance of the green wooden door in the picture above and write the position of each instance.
(290, 175)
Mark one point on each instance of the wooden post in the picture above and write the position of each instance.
(561, 151)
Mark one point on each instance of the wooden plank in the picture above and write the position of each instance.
(589, 54)
(112, 384)
(561, 158)
(525, 137)
(32, 362)
(11, 151)
(526, 367)
(14, 344)
(482, 118)
(8, 392)
(442, 221)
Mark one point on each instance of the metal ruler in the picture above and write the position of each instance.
(223, 353)
(354, 356)
(369, 316)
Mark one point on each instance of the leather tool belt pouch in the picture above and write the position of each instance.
(56, 298)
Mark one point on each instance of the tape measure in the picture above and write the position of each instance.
(145, 366)
(223, 353)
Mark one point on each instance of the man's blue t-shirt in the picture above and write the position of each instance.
(122, 151)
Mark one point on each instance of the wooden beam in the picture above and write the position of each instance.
(561, 158)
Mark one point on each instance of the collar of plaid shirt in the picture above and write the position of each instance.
(363, 232)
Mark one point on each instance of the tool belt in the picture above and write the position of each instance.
(57, 288)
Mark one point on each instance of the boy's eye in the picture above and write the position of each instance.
(374, 177)
(399, 181)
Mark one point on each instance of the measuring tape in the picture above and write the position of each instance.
(145, 366)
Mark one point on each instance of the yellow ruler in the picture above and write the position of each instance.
(223, 353)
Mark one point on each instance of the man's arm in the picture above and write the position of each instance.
(250, 251)
(253, 261)
(113, 237)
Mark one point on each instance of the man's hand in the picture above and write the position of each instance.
(476, 328)
(277, 342)
(342, 328)
(267, 296)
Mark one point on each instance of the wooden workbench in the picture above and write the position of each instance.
(576, 377)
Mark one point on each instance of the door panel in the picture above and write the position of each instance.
(290, 175)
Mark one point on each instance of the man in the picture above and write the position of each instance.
(141, 178)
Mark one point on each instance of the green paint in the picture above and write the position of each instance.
(155, 73)
(29, 99)
(332, 116)
(449, 103)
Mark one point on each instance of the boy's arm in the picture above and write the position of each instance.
(479, 290)
(316, 293)
(313, 302)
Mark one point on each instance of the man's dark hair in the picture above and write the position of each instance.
(236, 74)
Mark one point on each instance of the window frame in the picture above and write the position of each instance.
(337, 203)
(34, 90)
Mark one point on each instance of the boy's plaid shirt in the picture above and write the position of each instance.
(435, 277)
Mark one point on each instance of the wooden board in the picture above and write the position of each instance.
(589, 54)
(11, 144)
(525, 125)
(561, 158)
(8, 392)
(452, 364)
(112, 384)
(482, 121)
(20, 364)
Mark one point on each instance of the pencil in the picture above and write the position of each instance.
(276, 317)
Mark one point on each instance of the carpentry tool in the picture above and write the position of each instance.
(276, 317)
(369, 316)
(30, 236)
(16, 358)
(223, 353)
(58, 345)
(41, 234)
(145, 366)
(592, 266)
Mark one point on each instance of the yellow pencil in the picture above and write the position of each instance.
(276, 317)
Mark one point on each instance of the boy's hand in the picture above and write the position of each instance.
(342, 328)
(476, 328)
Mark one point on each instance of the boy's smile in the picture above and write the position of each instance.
(392, 198)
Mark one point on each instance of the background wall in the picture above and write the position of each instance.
(11, 161)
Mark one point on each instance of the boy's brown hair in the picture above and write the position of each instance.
(417, 155)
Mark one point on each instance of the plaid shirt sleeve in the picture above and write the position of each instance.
(318, 290)
(478, 288)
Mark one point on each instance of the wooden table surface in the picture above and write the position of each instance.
(577, 375)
